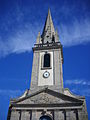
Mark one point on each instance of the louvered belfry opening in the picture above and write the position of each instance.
(47, 60)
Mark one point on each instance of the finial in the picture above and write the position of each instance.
(49, 11)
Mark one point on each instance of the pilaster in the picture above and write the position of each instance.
(15, 115)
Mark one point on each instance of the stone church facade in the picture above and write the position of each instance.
(47, 99)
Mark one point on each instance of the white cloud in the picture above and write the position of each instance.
(82, 92)
(76, 33)
(74, 28)
(22, 39)
(77, 82)
(79, 86)
(11, 93)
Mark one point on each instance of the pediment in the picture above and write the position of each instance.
(46, 96)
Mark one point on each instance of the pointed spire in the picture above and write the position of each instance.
(48, 30)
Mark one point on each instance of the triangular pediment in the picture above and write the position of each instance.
(46, 96)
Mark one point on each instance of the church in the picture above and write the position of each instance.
(47, 99)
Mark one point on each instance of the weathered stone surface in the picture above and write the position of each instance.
(40, 105)
(82, 115)
(25, 115)
(58, 115)
(70, 115)
(15, 115)
(35, 67)
(34, 115)
(42, 98)
(57, 68)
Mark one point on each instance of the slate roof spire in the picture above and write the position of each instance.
(48, 30)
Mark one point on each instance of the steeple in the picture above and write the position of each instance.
(48, 58)
(48, 31)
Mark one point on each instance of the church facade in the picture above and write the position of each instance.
(47, 99)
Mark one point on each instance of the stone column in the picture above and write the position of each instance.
(82, 115)
(67, 115)
(25, 115)
(58, 115)
(71, 115)
(15, 115)
(34, 117)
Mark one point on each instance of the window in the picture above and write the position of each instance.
(46, 60)
(45, 117)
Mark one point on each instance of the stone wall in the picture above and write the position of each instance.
(53, 114)
(58, 68)
(35, 68)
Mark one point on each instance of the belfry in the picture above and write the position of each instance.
(47, 99)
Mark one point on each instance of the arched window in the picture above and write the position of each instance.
(45, 117)
(46, 60)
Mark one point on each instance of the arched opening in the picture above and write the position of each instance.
(46, 60)
(45, 117)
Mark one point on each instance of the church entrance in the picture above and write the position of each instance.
(45, 117)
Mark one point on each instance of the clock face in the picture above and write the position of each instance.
(46, 74)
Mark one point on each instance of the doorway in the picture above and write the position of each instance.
(45, 117)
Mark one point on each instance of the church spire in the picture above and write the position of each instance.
(48, 30)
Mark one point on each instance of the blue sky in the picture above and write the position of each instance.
(20, 22)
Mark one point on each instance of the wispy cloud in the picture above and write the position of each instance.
(17, 35)
(73, 22)
(22, 31)
(78, 32)
(23, 40)
(77, 82)
(83, 92)
(11, 93)
(20, 41)
(79, 86)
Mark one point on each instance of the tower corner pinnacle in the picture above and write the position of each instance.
(38, 38)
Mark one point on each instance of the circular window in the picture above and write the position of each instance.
(45, 117)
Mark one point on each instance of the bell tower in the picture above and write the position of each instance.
(48, 58)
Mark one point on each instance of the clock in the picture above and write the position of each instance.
(46, 74)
